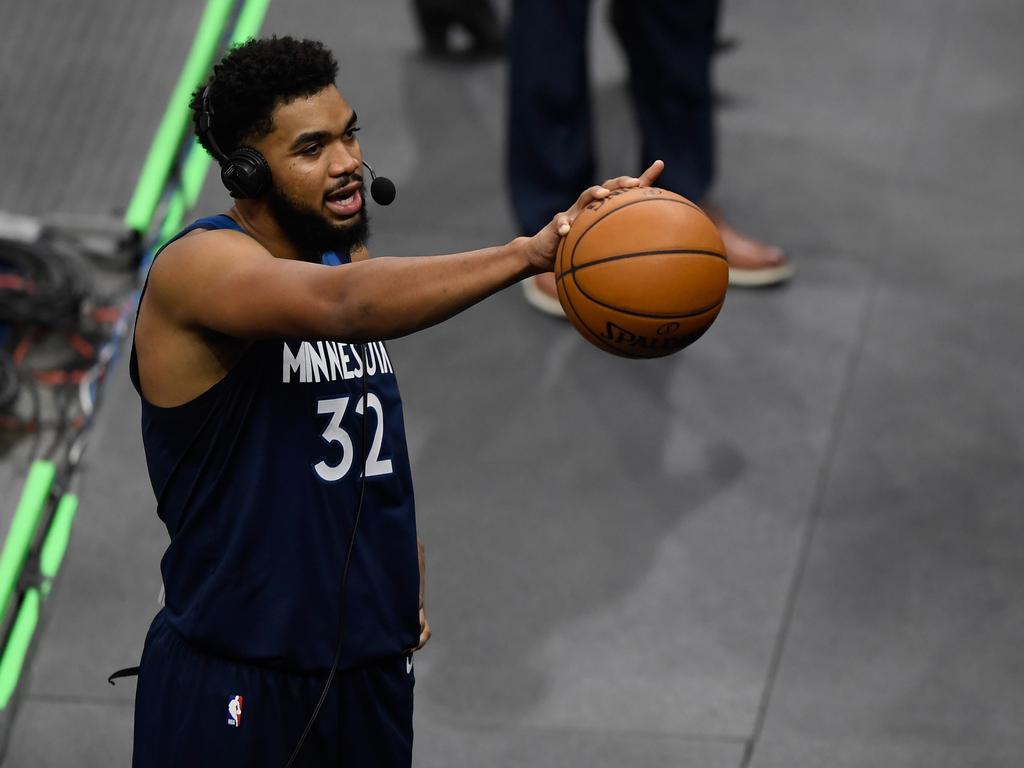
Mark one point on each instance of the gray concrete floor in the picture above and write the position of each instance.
(795, 544)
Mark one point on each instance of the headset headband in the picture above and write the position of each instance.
(206, 125)
(245, 172)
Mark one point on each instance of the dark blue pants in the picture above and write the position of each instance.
(668, 43)
(187, 713)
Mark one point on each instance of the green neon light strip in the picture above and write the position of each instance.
(23, 528)
(193, 174)
(18, 645)
(56, 542)
(250, 20)
(174, 216)
(139, 216)
(162, 152)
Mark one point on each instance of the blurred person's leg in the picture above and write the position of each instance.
(550, 143)
(669, 45)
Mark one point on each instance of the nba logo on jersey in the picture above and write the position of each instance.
(235, 711)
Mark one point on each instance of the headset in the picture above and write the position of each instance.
(246, 173)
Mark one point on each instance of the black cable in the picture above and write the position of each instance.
(10, 382)
(29, 384)
(41, 285)
(344, 581)
(22, 384)
(62, 399)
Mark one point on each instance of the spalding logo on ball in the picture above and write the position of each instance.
(642, 272)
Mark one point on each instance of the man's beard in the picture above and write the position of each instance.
(311, 232)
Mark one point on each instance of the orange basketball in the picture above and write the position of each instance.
(642, 273)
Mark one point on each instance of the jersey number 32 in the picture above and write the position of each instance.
(335, 434)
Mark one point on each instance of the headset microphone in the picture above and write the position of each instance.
(382, 189)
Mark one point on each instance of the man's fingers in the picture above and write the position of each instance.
(622, 182)
(424, 636)
(644, 180)
(648, 177)
(424, 630)
(563, 222)
(597, 192)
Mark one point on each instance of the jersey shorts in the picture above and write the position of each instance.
(194, 709)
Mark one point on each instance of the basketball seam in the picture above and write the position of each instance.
(600, 340)
(619, 256)
(652, 315)
(572, 256)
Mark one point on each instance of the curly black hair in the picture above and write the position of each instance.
(253, 79)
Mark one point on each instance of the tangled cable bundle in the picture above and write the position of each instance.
(57, 336)
(40, 285)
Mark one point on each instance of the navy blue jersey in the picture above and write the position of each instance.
(257, 480)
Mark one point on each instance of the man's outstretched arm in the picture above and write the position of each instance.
(226, 282)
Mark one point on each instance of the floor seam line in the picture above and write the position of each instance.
(720, 738)
(838, 423)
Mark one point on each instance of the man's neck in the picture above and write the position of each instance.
(260, 225)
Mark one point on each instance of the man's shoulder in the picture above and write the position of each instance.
(196, 252)
(200, 241)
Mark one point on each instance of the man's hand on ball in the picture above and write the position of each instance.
(563, 221)
(542, 247)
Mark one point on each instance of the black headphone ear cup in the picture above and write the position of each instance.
(246, 173)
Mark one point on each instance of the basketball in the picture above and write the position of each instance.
(642, 273)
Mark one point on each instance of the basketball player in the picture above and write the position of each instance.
(271, 421)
